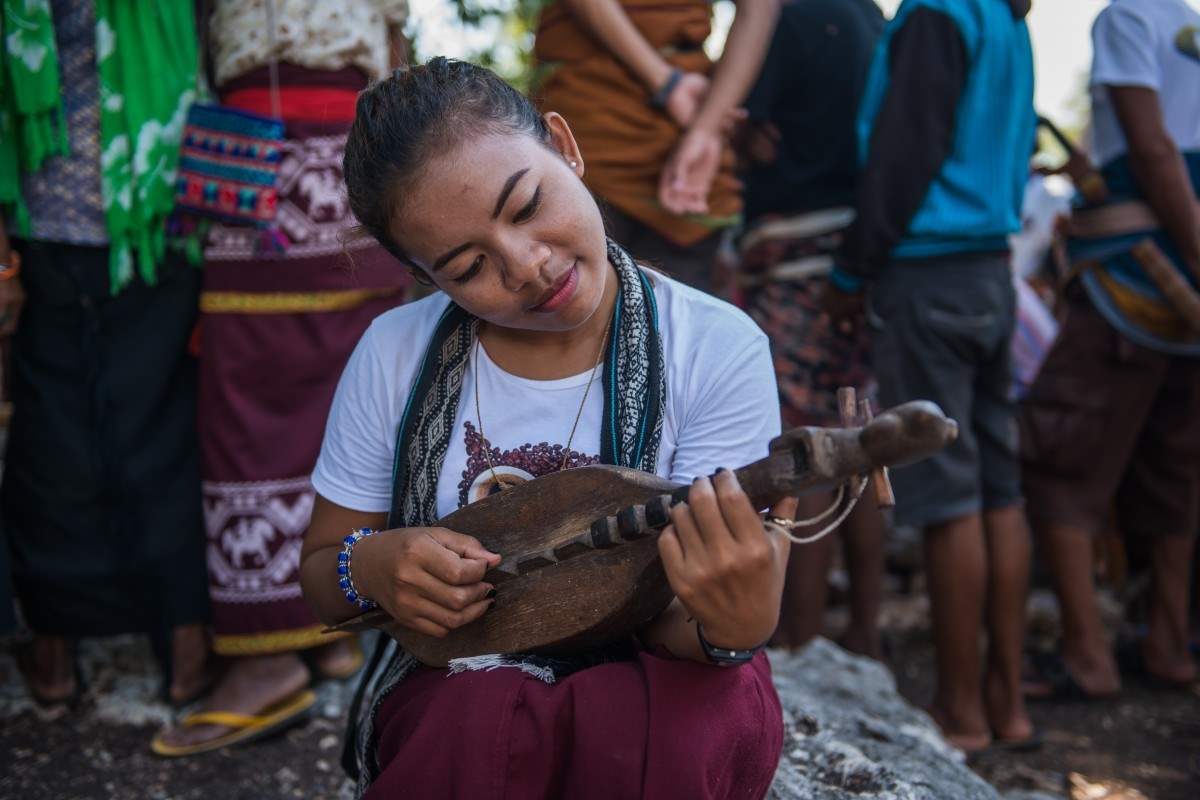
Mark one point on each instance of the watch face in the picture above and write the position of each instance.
(724, 657)
(730, 657)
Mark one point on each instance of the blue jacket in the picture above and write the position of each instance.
(953, 129)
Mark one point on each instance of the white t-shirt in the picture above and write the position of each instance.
(722, 406)
(1153, 44)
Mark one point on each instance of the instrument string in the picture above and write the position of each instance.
(785, 526)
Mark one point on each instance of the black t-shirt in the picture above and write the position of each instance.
(810, 86)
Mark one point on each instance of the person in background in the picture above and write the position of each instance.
(946, 127)
(276, 330)
(652, 112)
(101, 491)
(1126, 341)
(801, 149)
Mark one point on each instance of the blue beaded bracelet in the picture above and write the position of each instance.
(345, 577)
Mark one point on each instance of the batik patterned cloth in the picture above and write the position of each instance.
(145, 65)
(786, 261)
(276, 330)
(63, 197)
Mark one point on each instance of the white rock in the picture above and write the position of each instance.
(853, 737)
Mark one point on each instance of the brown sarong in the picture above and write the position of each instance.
(625, 142)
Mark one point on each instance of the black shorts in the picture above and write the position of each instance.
(941, 331)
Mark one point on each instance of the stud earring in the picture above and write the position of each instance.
(574, 164)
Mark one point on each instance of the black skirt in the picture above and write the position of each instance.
(101, 490)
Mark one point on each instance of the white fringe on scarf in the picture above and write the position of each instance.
(499, 661)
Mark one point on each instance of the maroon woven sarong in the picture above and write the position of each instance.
(651, 728)
(276, 330)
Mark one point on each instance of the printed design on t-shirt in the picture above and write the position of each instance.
(1187, 41)
(512, 467)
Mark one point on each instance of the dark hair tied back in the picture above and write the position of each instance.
(401, 121)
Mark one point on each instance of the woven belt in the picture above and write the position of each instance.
(1114, 219)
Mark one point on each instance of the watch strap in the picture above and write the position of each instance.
(724, 656)
(659, 98)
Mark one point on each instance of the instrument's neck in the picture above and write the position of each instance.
(770, 479)
(766, 481)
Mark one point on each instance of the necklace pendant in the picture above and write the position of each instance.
(506, 481)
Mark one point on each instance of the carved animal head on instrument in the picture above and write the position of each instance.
(458, 176)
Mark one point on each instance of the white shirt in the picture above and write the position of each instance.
(1153, 44)
(722, 405)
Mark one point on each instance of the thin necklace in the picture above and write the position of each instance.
(566, 450)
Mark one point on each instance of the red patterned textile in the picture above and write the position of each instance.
(785, 261)
(276, 332)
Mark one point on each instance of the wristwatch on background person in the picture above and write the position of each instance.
(723, 656)
(659, 99)
(11, 266)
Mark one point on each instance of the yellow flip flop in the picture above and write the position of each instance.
(246, 727)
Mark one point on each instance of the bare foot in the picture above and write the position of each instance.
(193, 666)
(248, 686)
(1169, 665)
(1007, 716)
(1095, 670)
(969, 736)
(48, 665)
(338, 660)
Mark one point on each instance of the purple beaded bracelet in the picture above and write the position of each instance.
(345, 577)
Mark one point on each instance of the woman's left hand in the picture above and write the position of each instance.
(724, 567)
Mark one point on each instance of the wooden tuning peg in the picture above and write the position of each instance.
(880, 482)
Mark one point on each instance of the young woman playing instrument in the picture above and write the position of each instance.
(570, 354)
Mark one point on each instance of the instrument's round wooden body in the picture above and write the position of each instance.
(581, 561)
(581, 602)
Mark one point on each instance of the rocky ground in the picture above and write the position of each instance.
(850, 736)
(1142, 745)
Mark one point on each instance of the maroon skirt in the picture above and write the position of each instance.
(654, 728)
(276, 331)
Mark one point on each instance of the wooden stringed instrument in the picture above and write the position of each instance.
(580, 557)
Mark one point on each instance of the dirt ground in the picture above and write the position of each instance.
(1143, 744)
(1146, 744)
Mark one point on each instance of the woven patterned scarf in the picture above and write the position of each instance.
(634, 401)
(146, 59)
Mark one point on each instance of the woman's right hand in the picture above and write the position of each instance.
(427, 579)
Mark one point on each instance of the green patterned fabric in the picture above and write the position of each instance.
(32, 126)
(146, 57)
